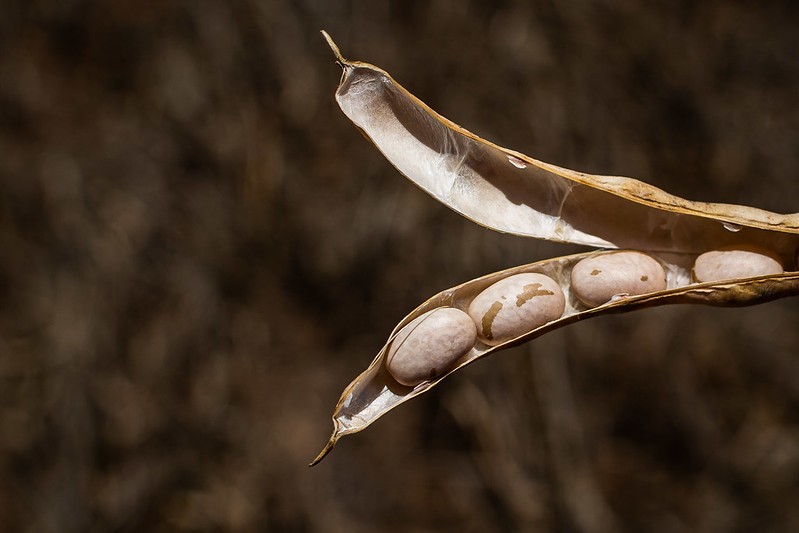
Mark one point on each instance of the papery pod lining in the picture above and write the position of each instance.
(510, 192)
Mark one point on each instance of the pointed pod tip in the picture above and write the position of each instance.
(328, 447)
(333, 46)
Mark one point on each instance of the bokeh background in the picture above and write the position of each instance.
(198, 252)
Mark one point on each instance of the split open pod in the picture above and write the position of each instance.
(648, 245)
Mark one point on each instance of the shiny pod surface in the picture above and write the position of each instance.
(596, 280)
(735, 263)
(429, 345)
(516, 305)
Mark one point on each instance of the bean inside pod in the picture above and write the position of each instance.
(515, 305)
(429, 345)
(596, 280)
(735, 262)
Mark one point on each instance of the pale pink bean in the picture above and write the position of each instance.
(596, 280)
(429, 345)
(735, 263)
(515, 305)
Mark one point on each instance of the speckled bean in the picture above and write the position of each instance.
(596, 280)
(735, 262)
(516, 305)
(429, 345)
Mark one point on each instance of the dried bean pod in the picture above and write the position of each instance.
(735, 262)
(429, 345)
(516, 305)
(596, 280)
(510, 192)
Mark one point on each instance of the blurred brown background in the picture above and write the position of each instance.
(198, 252)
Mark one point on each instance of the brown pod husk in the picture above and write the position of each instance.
(510, 192)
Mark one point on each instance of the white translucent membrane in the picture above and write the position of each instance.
(510, 192)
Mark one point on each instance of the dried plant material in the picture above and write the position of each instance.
(510, 192)
(513, 193)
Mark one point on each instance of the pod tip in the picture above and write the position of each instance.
(328, 447)
(333, 46)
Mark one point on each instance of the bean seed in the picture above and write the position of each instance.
(429, 345)
(516, 305)
(596, 280)
(733, 262)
